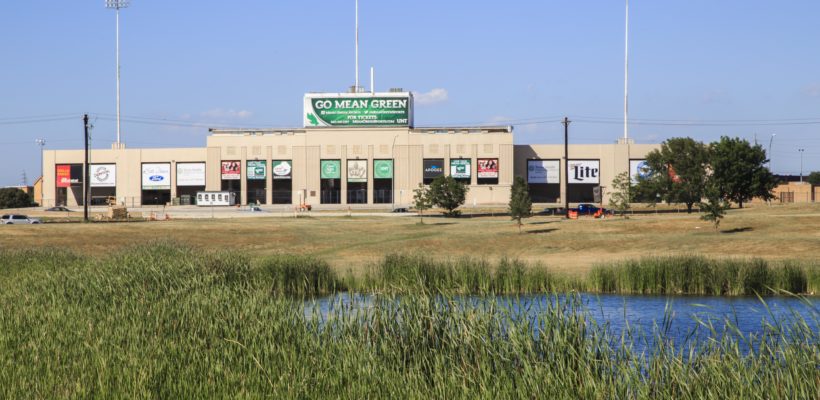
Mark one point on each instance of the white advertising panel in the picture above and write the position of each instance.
(357, 170)
(281, 169)
(584, 171)
(543, 171)
(191, 174)
(103, 175)
(638, 169)
(460, 168)
(156, 176)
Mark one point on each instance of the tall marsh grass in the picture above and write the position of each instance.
(704, 276)
(164, 321)
(414, 273)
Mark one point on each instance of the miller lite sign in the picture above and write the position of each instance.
(584, 171)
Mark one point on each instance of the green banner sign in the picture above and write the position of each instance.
(383, 169)
(331, 169)
(358, 110)
(256, 170)
(460, 168)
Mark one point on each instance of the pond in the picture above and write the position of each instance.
(680, 319)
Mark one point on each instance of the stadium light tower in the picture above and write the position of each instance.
(116, 5)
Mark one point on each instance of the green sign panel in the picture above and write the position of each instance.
(331, 169)
(358, 110)
(256, 170)
(460, 168)
(383, 169)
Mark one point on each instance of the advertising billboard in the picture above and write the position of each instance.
(69, 175)
(256, 170)
(638, 170)
(382, 169)
(76, 174)
(488, 168)
(63, 175)
(357, 170)
(460, 168)
(433, 168)
(156, 176)
(358, 109)
(331, 169)
(543, 171)
(103, 175)
(231, 170)
(584, 171)
(191, 174)
(281, 169)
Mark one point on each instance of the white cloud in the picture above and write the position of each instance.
(434, 96)
(219, 113)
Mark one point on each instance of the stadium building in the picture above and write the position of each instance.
(353, 150)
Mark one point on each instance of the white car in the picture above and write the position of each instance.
(18, 219)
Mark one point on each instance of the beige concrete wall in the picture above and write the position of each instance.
(406, 146)
(129, 169)
(305, 148)
(613, 158)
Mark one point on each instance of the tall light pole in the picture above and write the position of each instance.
(116, 5)
(801, 164)
(626, 74)
(42, 144)
(393, 173)
(356, 87)
(770, 152)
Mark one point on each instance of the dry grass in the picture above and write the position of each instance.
(773, 233)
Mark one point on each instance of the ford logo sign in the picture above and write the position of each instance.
(156, 178)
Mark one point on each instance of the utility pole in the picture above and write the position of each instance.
(566, 122)
(85, 171)
(770, 152)
(801, 164)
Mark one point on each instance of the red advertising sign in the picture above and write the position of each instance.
(488, 168)
(231, 170)
(674, 175)
(63, 175)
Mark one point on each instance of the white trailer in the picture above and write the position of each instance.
(223, 198)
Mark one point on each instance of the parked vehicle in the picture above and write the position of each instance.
(58, 208)
(590, 209)
(9, 219)
(400, 210)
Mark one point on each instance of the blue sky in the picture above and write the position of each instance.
(735, 68)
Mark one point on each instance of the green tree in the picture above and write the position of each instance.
(14, 198)
(714, 209)
(814, 178)
(448, 193)
(422, 200)
(739, 172)
(520, 201)
(621, 193)
(678, 171)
